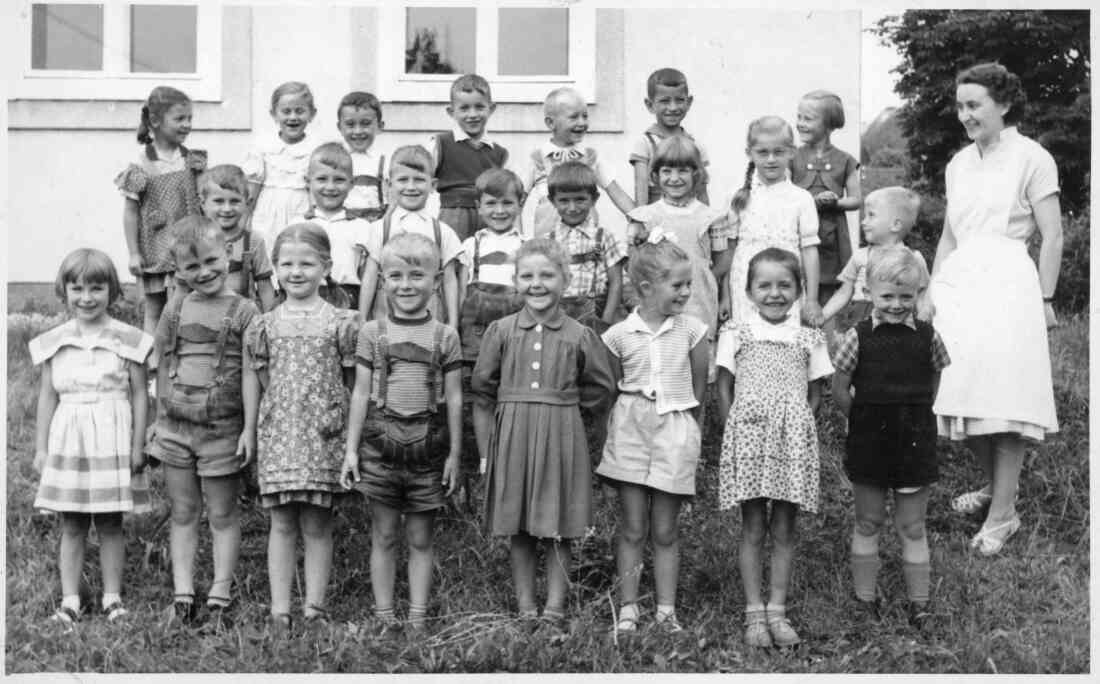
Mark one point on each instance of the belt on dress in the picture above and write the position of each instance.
(91, 397)
(540, 396)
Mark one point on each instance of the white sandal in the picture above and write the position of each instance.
(971, 502)
(988, 542)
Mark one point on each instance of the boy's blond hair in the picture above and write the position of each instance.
(558, 95)
(412, 248)
(332, 155)
(415, 157)
(896, 264)
(902, 203)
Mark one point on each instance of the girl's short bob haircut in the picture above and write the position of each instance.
(412, 248)
(191, 231)
(293, 88)
(91, 266)
(775, 255)
(551, 249)
(1002, 85)
(498, 183)
(676, 151)
(652, 261)
(306, 233)
(830, 106)
(572, 176)
(896, 265)
(224, 176)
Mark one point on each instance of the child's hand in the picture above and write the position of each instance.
(450, 474)
(246, 447)
(482, 466)
(724, 311)
(137, 463)
(825, 199)
(812, 314)
(349, 472)
(134, 265)
(39, 460)
(1051, 317)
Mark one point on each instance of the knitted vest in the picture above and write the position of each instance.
(895, 364)
(460, 163)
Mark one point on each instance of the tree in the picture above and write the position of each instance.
(1048, 50)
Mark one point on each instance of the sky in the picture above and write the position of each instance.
(877, 83)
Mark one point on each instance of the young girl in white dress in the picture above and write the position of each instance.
(277, 169)
(771, 211)
(653, 439)
(769, 449)
(91, 426)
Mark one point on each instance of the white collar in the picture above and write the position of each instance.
(483, 233)
(758, 185)
(460, 135)
(909, 321)
(635, 323)
(552, 149)
(315, 213)
(400, 213)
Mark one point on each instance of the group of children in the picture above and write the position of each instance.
(350, 370)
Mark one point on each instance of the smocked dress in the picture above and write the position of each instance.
(769, 447)
(281, 168)
(816, 175)
(989, 307)
(778, 215)
(87, 468)
(537, 375)
(303, 412)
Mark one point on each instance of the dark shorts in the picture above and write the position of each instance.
(155, 283)
(484, 303)
(891, 445)
(401, 489)
(463, 220)
(401, 459)
(210, 448)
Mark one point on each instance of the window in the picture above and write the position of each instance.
(523, 50)
(115, 51)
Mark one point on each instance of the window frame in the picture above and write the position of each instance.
(396, 86)
(115, 81)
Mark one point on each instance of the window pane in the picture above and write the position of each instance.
(162, 38)
(440, 40)
(533, 42)
(67, 37)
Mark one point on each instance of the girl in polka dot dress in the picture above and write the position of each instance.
(769, 449)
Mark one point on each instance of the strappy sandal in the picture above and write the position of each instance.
(66, 617)
(115, 611)
(669, 623)
(553, 619)
(280, 624)
(184, 610)
(756, 629)
(782, 632)
(628, 620)
(315, 614)
(971, 502)
(990, 540)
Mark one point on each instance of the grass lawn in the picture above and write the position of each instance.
(1026, 611)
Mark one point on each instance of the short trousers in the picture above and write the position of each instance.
(155, 283)
(484, 303)
(210, 448)
(647, 448)
(587, 311)
(892, 446)
(401, 489)
(420, 443)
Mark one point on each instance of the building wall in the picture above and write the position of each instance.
(740, 64)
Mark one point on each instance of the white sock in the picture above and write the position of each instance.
(109, 599)
(665, 610)
(71, 601)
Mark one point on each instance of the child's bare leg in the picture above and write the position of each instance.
(754, 525)
(982, 446)
(385, 522)
(112, 551)
(523, 571)
(633, 530)
(784, 539)
(420, 534)
(154, 305)
(559, 557)
(185, 497)
(316, 524)
(909, 517)
(282, 557)
(70, 555)
(870, 514)
(1007, 460)
(223, 514)
(666, 549)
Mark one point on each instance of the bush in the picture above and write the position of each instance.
(888, 156)
(1072, 295)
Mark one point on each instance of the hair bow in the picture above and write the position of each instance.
(657, 236)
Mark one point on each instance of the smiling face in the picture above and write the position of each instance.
(292, 113)
(893, 302)
(499, 214)
(328, 186)
(569, 121)
(471, 110)
(676, 182)
(540, 281)
(670, 104)
(880, 225)
(668, 295)
(981, 115)
(204, 268)
(87, 301)
(410, 187)
(173, 127)
(810, 122)
(408, 286)
(359, 126)
(223, 206)
(771, 152)
(774, 290)
(300, 270)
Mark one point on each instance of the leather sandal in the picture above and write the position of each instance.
(756, 629)
(971, 502)
(990, 540)
(782, 632)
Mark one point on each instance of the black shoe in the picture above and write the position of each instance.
(920, 616)
(184, 611)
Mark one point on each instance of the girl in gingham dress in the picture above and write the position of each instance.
(769, 449)
(653, 439)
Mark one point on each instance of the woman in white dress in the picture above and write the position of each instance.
(992, 307)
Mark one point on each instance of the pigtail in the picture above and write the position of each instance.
(741, 197)
(143, 136)
(334, 294)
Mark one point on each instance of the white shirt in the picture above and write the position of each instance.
(657, 364)
(420, 221)
(491, 242)
(348, 237)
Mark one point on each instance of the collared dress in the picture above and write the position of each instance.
(769, 447)
(87, 468)
(281, 169)
(537, 376)
(778, 215)
(816, 175)
(989, 307)
(652, 438)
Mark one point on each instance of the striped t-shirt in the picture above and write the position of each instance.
(657, 364)
(409, 344)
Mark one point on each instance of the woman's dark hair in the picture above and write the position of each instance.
(1003, 86)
